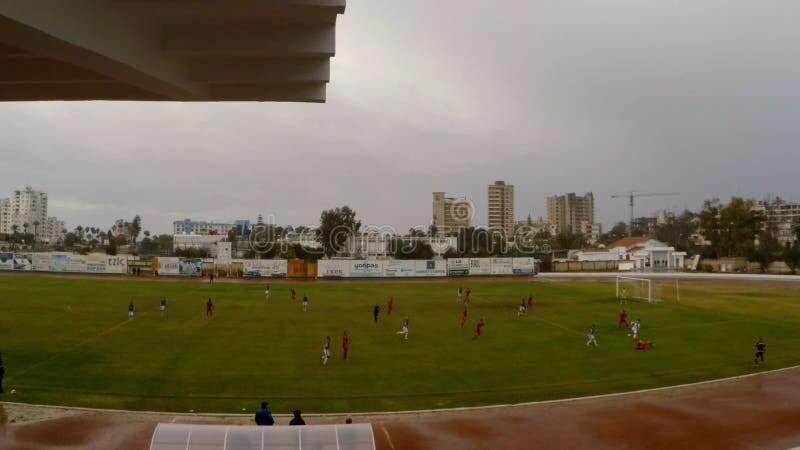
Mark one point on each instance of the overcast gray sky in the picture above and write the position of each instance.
(699, 98)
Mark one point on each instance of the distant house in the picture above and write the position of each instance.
(645, 254)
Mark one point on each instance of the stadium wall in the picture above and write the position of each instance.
(97, 263)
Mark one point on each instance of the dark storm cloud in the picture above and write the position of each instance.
(698, 98)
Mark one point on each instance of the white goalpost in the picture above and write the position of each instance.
(640, 288)
(634, 288)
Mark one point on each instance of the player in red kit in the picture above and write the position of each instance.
(345, 344)
(209, 308)
(478, 327)
(623, 319)
(389, 305)
(293, 293)
(530, 300)
(466, 295)
(463, 316)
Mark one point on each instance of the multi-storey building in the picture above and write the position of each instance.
(501, 207)
(54, 230)
(571, 213)
(5, 216)
(27, 209)
(782, 216)
(451, 213)
(188, 226)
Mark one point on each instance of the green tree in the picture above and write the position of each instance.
(35, 231)
(410, 249)
(567, 241)
(335, 227)
(617, 232)
(135, 228)
(796, 228)
(792, 256)
(731, 228)
(678, 230)
(768, 249)
(164, 244)
(111, 248)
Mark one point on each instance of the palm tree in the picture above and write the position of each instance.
(35, 231)
(25, 227)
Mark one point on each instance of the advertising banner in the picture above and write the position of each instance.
(42, 261)
(6, 261)
(58, 262)
(480, 266)
(430, 268)
(399, 268)
(523, 266)
(223, 253)
(23, 261)
(192, 267)
(457, 266)
(364, 268)
(116, 264)
(265, 267)
(96, 263)
(502, 266)
(333, 268)
(76, 263)
(169, 266)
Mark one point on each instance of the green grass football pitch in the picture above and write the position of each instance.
(69, 342)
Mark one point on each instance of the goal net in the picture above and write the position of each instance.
(646, 289)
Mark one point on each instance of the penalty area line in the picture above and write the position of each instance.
(72, 348)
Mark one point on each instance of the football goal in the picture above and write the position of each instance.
(650, 290)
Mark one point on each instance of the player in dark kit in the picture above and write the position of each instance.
(623, 319)
(375, 310)
(478, 327)
(209, 308)
(760, 348)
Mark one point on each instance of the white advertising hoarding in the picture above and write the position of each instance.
(42, 261)
(116, 264)
(480, 266)
(96, 263)
(430, 268)
(265, 267)
(399, 268)
(223, 253)
(458, 266)
(502, 266)
(364, 268)
(169, 266)
(76, 263)
(524, 266)
(333, 268)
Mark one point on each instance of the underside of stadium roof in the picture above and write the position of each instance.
(170, 436)
(179, 50)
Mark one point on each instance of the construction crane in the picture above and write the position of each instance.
(631, 195)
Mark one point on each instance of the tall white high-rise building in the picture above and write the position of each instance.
(5, 216)
(501, 207)
(27, 209)
(451, 214)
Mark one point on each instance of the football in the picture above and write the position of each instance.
(13, 391)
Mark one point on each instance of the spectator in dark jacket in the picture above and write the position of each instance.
(264, 416)
(297, 420)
